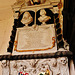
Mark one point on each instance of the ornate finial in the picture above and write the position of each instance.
(60, 5)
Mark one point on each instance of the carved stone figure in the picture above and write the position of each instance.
(51, 66)
(4, 63)
(27, 2)
(5, 67)
(23, 66)
(27, 18)
(43, 18)
(63, 65)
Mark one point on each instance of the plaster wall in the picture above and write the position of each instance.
(6, 22)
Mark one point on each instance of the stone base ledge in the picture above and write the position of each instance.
(36, 56)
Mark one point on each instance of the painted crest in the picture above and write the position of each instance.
(21, 73)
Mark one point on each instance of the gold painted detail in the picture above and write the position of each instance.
(53, 44)
(60, 6)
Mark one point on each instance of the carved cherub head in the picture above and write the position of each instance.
(23, 66)
(43, 67)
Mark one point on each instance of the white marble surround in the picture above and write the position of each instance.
(36, 8)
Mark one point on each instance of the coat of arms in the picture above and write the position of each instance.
(21, 73)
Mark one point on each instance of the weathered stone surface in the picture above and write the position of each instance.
(56, 66)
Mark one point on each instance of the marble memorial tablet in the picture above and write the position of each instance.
(30, 39)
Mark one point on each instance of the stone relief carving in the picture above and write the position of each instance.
(32, 2)
(4, 63)
(43, 18)
(51, 66)
(5, 67)
(27, 18)
(55, 10)
(62, 62)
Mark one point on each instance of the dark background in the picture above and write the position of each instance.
(69, 24)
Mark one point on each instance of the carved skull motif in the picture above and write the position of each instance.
(43, 67)
(63, 60)
(4, 63)
(23, 66)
